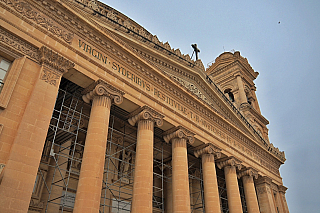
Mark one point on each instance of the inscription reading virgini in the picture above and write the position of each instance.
(164, 97)
(87, 48)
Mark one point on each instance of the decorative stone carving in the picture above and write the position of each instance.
(18, 44)
(50, 77)
(248, 172)
(207, 149)
(282, 189)
(145, 113)
(27, 11)
(111, 16)
(178, 132)
(229, 161)
(54, 60)
(101, 88)
(261, 190)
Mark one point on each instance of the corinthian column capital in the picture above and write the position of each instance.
(101, 88)
(248, 172)
(53, 60)
(209, 149)
(229, 161)
(180, 133)
(145, 113)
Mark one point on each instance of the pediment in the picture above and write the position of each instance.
(186, 72)
(150, 52)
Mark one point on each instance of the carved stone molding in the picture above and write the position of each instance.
(282, 189)
(101, 88)
(18, 44)
(178, 132)
(263, 190)
(53, 60)
(263, 180)
(248, 172)
(28, 12)
(145, 113)
(207, 149)
(229, 161)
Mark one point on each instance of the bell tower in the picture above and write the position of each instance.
(234, 75)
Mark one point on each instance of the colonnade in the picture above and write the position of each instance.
(102, 95)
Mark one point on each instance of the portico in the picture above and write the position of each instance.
(98, 115)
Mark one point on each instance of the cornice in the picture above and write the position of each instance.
(19, 45)
(31, 15)
(105, 14)
(260, 117)
(236, 58)
(142, 65)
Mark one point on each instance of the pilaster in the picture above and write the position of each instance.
(265, 196)
(102, 95)
(282, 194)
(24, 158)
(145, 117)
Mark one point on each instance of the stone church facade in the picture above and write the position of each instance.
(98, 115)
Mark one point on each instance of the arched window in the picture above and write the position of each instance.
(229, 94)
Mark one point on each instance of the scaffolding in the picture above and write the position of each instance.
(59, 169)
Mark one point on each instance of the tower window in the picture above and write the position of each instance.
(229, 94)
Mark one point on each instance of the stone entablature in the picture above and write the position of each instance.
(106, 14)
(169, 89)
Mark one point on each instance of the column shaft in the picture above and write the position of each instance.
(180, 176)
(91, 174)
(250, 194)
(211, 193)
(234, 200)
(168, 193)
(143, 174)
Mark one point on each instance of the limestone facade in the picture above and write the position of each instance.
(98, 115)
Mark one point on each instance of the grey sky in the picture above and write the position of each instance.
(287, 56)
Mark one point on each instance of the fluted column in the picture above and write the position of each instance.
(249, 189)
(211, 194)
(179, 137)
(265, 196)
(230, 165)
(89, 188)
(145, 118)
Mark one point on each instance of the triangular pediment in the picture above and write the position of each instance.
(179, 67)
(187, 75)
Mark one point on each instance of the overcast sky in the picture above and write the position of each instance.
(286, 54)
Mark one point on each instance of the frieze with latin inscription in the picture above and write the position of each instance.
(173, 103)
